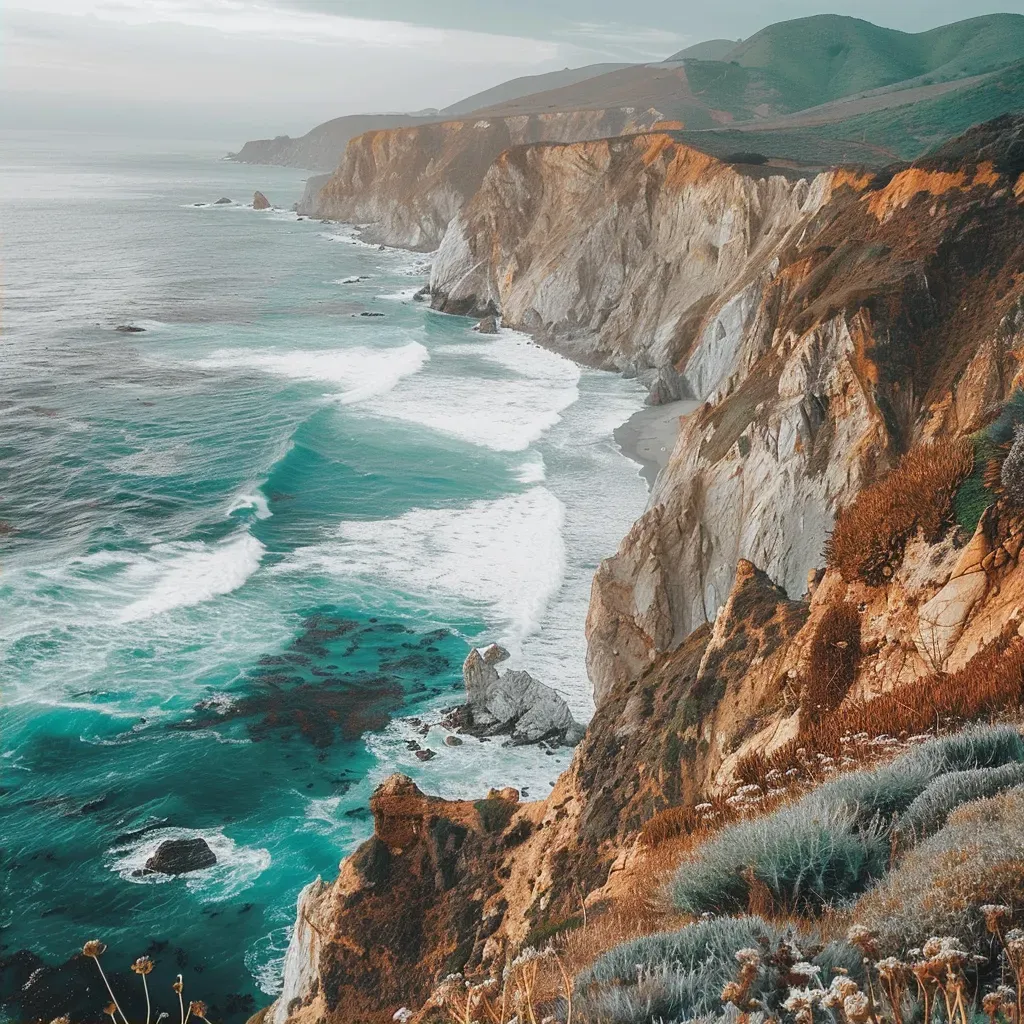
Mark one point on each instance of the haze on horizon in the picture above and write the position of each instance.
(232, 69)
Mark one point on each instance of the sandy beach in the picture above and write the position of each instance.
(649, 436)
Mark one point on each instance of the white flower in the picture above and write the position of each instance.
(403, 1015)
(802, 999)
(805, 970)
(856, 1006)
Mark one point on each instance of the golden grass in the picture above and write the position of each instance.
(872, 531)
(990, 684)
(832, 661)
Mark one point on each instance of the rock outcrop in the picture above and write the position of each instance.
(260, 201)
(512, 704)
(804, 313)
(179, 856)
(406, 184)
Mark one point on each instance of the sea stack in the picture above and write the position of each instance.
(179, 856)
(260, 201)
(513, 704)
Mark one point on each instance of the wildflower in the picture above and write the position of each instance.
(61, 1020)
(94, 949)
(748, 957)
(526, 956)
(995, 914)
(800, 1003)
(890, 967)
(143, 965)
(945, 949)
(861, 937)
(732, 993)
(403, 1015)
(856, 1007)
(991, 1003)
(841, 988)
(802, 969)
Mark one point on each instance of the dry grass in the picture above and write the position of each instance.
(991, 684)
(832, 661)
(872, 531)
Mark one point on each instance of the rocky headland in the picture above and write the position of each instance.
(826, 575)
(406, 184)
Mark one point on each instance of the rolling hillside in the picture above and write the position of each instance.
(823, 58)
(825, 85)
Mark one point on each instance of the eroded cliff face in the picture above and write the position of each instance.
(812, 317)
(878, 314)
(407, 184)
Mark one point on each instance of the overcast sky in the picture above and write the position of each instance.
(232, 69)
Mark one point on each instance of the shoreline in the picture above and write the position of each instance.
(649, 436)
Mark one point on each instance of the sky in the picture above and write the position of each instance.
(237, 69)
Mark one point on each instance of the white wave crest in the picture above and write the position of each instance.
(360, 372)
(504, 559)
(180, 575)
(256, 500)
(506, 413)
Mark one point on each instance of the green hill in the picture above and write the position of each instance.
(815, 60)
(710, 49)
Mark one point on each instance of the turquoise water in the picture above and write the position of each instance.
(244, 552)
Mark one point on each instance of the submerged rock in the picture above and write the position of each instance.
(513, 704)
(260, 201)
(129, 329)
(179, 856)
(224, 201)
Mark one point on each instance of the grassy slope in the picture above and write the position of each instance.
(826, 57)
(901, 133)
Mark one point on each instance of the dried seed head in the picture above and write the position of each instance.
(110, 1009)
(995, 914)
(198, 1009)
(732, 992)
(94, 949)
(863, 938)
(856, 1007)
(749, 957)
(143, 965)
(178, 985)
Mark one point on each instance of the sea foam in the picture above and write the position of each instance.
(502, 559)
(360, 372)
(179, 575)
(505, 413)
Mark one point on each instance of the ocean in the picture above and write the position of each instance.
(244, 551)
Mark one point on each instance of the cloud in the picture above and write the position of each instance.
(625, 42)
(248, 19)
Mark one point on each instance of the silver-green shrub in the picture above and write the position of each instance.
(829, 846)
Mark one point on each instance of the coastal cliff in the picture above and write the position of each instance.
(828, 566)
(406, 184)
